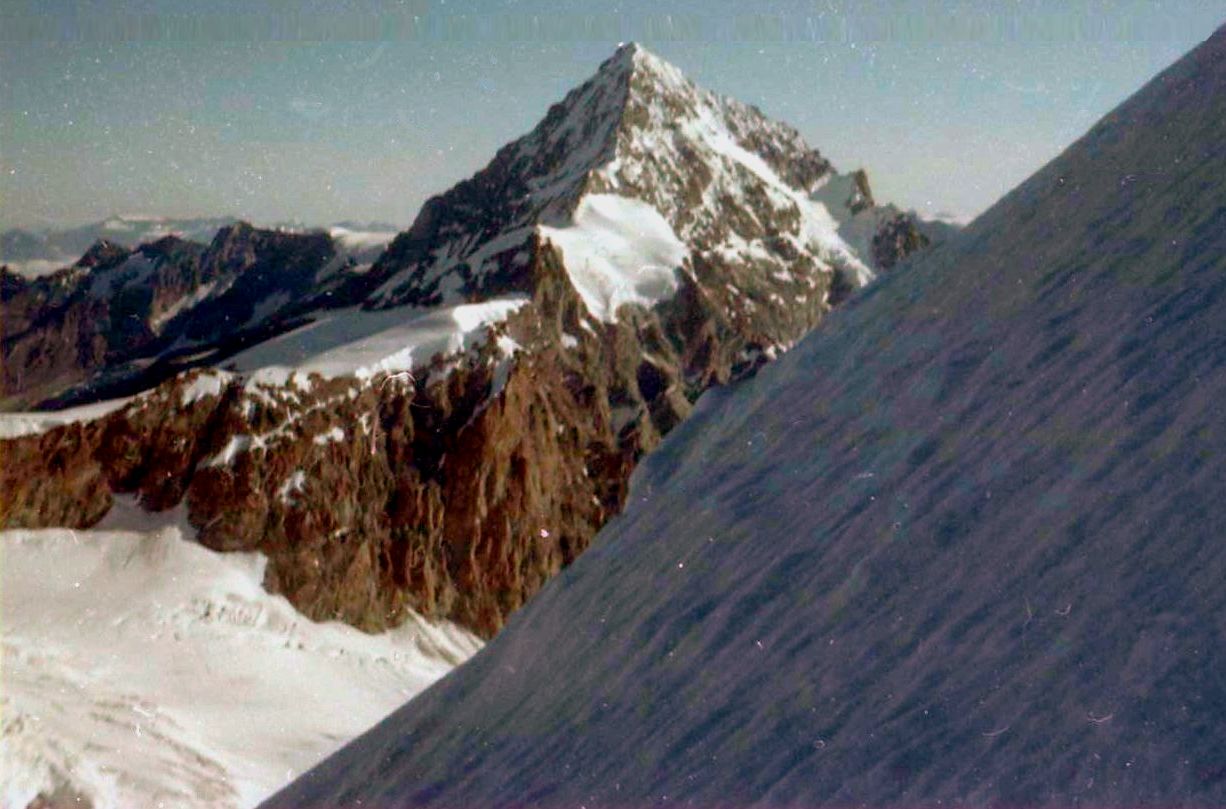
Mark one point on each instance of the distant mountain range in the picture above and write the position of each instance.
(32, 252)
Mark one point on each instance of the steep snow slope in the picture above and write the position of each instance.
(964, 545)
(143, 670)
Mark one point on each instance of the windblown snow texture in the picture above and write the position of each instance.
(963, 545)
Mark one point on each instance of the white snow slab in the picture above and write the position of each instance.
(208, 383)
(144, 670)
(617, 251)
(364, 343)
(13, 425)
(183, 304)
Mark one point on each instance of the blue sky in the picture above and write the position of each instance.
(326, 111)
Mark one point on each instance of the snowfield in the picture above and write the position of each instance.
(143, 670)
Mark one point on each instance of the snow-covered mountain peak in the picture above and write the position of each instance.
(727, 178)
(732, 186)
(633, 59)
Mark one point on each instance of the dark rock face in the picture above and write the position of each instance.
(268, 273)
(103, 253)
(62, 798)
(461, 491)
(50, 336)
(897, 238)
(862, 196)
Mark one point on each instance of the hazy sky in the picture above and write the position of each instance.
(326, 111)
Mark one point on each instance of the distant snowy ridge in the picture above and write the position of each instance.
(182, 303)
(14, 425)
(365, 345)
(40, 251)
(36, 252)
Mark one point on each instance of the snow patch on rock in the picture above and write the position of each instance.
(206, 384)
(618, 251)
(15, 425)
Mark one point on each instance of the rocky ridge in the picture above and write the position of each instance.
(36, 251)
(134, 317)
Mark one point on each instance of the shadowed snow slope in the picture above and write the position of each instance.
(963, 545)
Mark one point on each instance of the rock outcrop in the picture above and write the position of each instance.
(897, 238)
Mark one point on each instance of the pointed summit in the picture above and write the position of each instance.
(631, 58)
(732, 187)
(625, 54)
